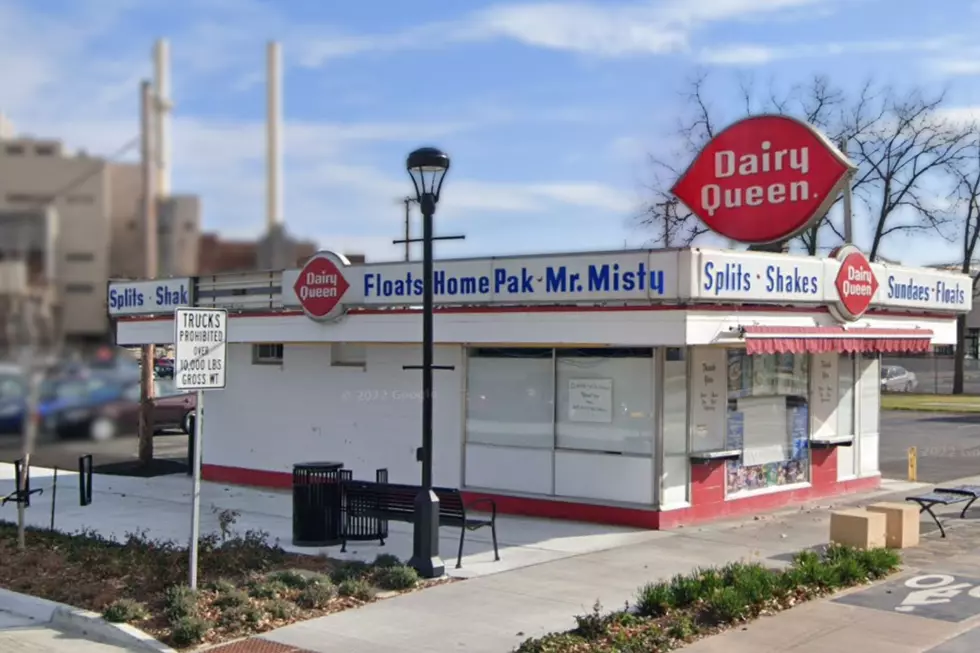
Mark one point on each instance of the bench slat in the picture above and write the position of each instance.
(944, 498)
(968, 490)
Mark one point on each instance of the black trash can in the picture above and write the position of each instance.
(317, 504)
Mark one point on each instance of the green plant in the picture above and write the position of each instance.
(124, 611)
(220, 585)
(266, 589)
(682, 627)
(349, 570)
(357, 588)
(397, 578)
(231, 598)
(725, 606)
(654, 599)
(685, 590)
(240, 615)
(315, 596)
(280, 609)
(756, 584)
(180, 601)
(386, 560)
(189, 630)
(592, 625)
(879, 562)
(290, 578)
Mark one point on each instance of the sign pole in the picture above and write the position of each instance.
(200, 362)
(196, 492)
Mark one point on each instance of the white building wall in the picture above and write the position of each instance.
(272, 416)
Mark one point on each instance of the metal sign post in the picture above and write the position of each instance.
(200, 361)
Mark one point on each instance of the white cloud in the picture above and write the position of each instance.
(757, 54)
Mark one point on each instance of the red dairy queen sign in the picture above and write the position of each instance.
(763, 179)
(855, 282)
(321, 286)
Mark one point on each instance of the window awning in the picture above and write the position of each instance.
(816, 340)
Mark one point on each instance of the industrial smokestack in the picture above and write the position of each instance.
(274, 137)
(161, 88)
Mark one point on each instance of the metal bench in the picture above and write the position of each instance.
(946, 496)
(394, 502)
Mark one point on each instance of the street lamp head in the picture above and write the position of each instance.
(427, 166)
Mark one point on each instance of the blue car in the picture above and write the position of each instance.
(56, 395)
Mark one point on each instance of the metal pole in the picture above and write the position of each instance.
(30, 420)
(408, 229)
(425, 549)
(54, 495)
(148, 170)
(196, 492)
(848, 215)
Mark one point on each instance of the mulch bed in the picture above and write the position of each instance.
(246, 586)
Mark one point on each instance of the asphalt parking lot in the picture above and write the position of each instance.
(948, 444)
(948, 447)
(113, 456)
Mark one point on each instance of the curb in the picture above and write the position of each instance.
(88, 623)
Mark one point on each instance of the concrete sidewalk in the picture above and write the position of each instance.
(22, 635)
(493, 614)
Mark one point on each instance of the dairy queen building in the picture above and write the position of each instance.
(650, 388)
(646, 388)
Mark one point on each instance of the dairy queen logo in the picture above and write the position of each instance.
(763, 179)
(321, 286)
(855, 282)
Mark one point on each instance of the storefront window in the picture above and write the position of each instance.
(510, 397)
(768, 420)
(605, 400)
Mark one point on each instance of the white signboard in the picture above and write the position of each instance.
(148, 297)
(590, 400)
(199, 348)
(627, 276)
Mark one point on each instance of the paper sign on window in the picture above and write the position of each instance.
(590, 400)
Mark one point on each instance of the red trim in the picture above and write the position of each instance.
(709, 503)
(723, 308)
(815, 340)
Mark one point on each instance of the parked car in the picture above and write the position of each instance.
(897, 379)
(163, 368)
(105, 420)
(57, 393)
(11, 396)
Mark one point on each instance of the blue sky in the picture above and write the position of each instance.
(548, 110)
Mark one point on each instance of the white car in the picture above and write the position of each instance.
(897, 379)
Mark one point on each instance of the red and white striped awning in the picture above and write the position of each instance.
(822, 339)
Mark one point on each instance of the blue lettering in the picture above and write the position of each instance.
(730, 278)
(167, 297)
(125, 298)
(793, 283)
(513, 284)
(908, 290)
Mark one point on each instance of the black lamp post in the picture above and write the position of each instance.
(427, 167)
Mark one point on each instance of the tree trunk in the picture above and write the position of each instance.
(145, 429)
(960, 358)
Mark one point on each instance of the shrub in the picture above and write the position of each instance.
(280, 609)
(180, 601)
(240, 615)
(725, 606)
(290, 578)
(266, 589)
(358, 589)
(682, 628)
(125, 610)
(315, 596)
(386, 560)
(189, 630)
(654, 600)
(231, 598)
(221, 585)
(756, 584)
(591, 626)
(350, 570)
(397, 578)
(879, 562)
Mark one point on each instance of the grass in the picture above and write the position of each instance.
(668, 615)
(246, 584)
(931, 403)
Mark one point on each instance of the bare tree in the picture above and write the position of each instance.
(964, 211)
(898, 141)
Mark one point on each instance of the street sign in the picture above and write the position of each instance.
(763, 179)
(321, 286)
(200, 362)
(199, 348)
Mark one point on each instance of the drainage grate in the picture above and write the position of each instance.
(256, 645)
